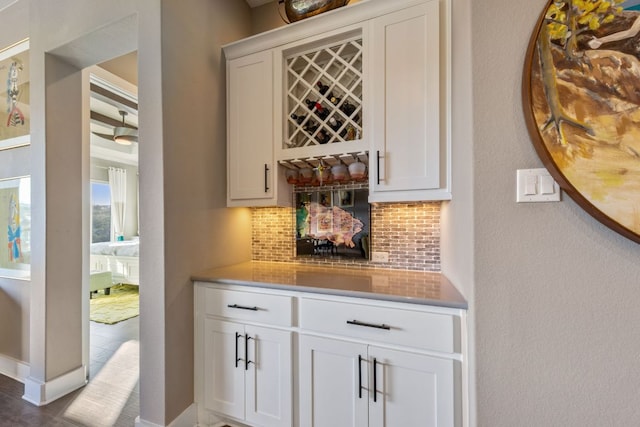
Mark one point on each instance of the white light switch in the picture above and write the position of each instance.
(546, 184)
(536, 185)
(530, 185)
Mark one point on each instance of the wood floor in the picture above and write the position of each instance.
(110, 399)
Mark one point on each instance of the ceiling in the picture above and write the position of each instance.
(114, 89)
(125, 66)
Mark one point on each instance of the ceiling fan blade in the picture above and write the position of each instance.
(104, 135)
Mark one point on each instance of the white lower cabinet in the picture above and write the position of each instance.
(410, 389)
(279, 358)
(344, 383)
(247, 372)
(333, 382)
(243, 364)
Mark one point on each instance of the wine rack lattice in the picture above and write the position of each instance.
(324, 95)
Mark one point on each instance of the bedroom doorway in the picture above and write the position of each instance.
(114, 326)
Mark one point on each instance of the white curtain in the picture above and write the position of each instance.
(118, 187)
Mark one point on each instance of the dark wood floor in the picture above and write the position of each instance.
(110, 399)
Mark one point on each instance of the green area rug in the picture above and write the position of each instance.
(122, 304)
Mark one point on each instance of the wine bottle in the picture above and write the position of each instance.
(322, 88)
(310, 127)
(334, 99)
(322, 113)
(298, 119)
(317, 108)
(335, 124)
(322, 137)
(313, 104)
(351, 133)
(348, 108)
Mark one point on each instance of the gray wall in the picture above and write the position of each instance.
(200, 232)
(14, 294)
(556, 293)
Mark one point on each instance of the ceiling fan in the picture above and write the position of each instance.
(123, 134)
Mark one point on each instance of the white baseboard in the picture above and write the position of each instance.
(143, 423)
(14, 368)
(188, 418)
(39, 393)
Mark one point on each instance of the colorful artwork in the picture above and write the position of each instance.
(13, 233)
(582, 105)
(15, 123)
(324, 223)
(15, 206)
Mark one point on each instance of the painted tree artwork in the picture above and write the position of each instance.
(581, 93)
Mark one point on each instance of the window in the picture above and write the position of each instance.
(100, 212)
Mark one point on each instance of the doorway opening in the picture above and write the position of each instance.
(114, 326)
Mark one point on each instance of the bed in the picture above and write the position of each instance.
(119, 258)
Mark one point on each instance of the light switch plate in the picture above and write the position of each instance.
(536, 185)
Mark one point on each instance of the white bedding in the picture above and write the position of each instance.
(126, 248)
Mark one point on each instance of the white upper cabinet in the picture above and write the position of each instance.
(367, 82)
(251, 168)
(410, 159)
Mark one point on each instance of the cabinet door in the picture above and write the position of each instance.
(224, 382)
(333, 383)
(268, 377)
(405, 71)
(411, 390)
(250, 126)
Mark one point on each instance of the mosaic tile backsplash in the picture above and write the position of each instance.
(409, 232)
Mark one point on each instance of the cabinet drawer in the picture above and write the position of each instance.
(405, 327)
(249, 306)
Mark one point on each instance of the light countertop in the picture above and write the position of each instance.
(415, 287)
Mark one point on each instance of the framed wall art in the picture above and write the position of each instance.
(15, 227)
(582, 105)
(15, 117)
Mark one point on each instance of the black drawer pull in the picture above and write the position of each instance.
(246, 352)
(368, 325)
(242, 307)
(237, 358)
(375, 380)
(378, 167)
(360, 376)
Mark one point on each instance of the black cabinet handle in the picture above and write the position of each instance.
(242, 307)
(375, 379)
(359, 377)
(369, 325)
(246, 352)
(237, 359)
(266, 184)
(378, 166)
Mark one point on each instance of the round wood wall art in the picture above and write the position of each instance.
(581, 99)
